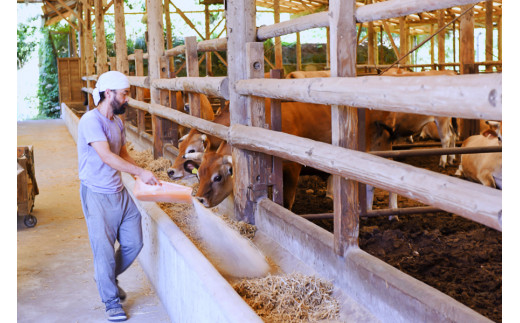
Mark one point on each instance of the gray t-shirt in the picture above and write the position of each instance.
(93, 172)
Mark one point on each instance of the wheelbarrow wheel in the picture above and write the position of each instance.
(29, 221)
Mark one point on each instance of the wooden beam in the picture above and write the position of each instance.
(209, 70)
(186, 19)
(192, 70)
(278, 55)
(489, 34)
(101, 46)
(299, 52)
(139, 71)
(105, 9)
(61, 15)
(467, 61)
(90, 67)
(71, 11)
(121, 48)
(87, 5)
(441, 40)
(391, 38)
(169, 41)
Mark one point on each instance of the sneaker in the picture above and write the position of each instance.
(116, 314)
(122, 293)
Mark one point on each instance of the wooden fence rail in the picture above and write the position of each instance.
(461, 96)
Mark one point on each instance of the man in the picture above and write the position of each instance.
(109, 210)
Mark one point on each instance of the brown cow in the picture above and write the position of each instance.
(307, 74)
(483, 168)
(302, 119)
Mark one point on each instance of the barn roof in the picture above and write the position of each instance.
(56, 10)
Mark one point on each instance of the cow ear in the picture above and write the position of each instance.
(183, 137)
(204, 138)
(227, 159)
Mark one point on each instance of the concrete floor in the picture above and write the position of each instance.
(54, 259)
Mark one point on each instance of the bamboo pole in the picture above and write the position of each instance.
(346, 124)
(461, 96)
(101, 45)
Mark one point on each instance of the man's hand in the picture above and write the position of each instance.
(148, 177)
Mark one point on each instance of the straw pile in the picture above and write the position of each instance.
(289, 298)
(275, 298)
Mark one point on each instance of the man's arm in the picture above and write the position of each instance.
(126, 156)
(122, 164)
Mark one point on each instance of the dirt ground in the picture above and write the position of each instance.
(458, 257)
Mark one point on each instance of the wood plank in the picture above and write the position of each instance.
(139, 71)
(276, 125)
(192, 70)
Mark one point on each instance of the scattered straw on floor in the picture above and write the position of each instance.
(289, 298)
(275, 298)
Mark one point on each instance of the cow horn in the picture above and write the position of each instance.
(183, 137)
(194, 156)
(227, 159)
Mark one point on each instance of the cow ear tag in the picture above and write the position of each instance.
(194, 171)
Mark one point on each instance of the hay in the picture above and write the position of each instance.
(275, 298)
(289, 298)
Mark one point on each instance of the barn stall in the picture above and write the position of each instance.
(369, 289)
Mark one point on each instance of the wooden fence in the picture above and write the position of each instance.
(463, 96)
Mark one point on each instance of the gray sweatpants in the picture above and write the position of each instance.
(110, 217)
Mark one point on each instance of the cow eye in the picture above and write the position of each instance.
(217, 178)
(191, 151)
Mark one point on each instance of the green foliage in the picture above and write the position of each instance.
(24, 46)
(54, 43)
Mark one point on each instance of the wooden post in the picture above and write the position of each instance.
(81, 35)
(241, 29)
(299, 53)
(121, 50)
(155, 51)
(72, 42)
(90, 68)
(170, 132)
(278, 56)
(432, 45)
(139, 71)
(192, 70)
(499, 28)
(209, 69)
(276, 124)
(328, 48)
(345, 126)
(101, 45)
(403, 39)
(441, 41)
(489, 34)
(113, 63)
(467, 61)
(169, 41)
(256, 176)
(371, 40)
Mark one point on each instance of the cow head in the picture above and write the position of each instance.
(193, 142)
(216, 178)
(496, 126)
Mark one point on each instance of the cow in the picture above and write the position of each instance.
(302, 119)
(409, 124)
(196, 142)
(485, 168)
(307, 74)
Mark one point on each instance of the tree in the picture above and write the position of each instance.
(25, 46)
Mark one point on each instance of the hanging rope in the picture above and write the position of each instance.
(427, 39)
